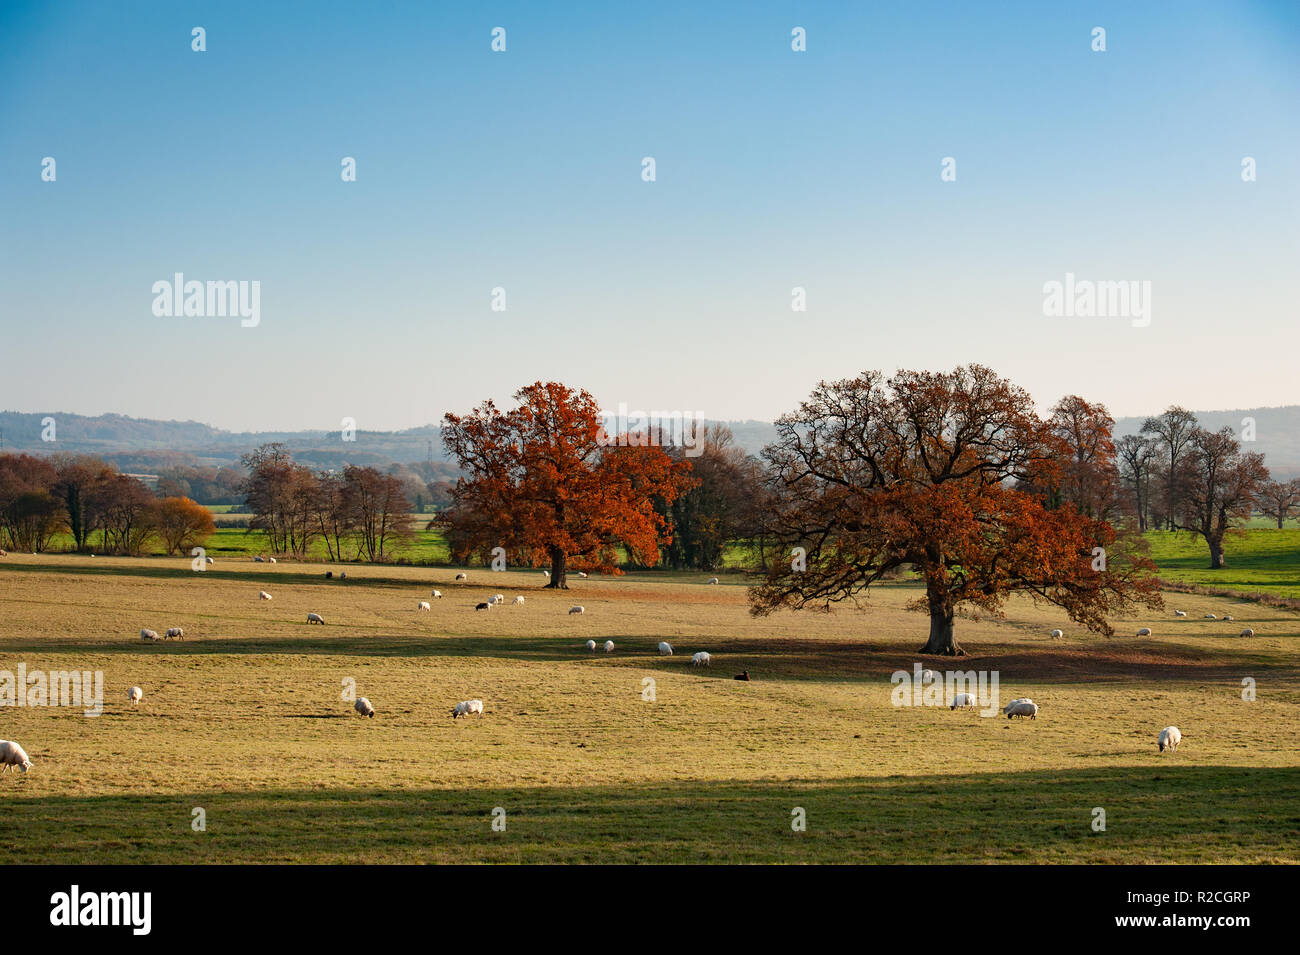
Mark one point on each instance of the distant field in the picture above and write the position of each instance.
(245, 720)
(1262, 559)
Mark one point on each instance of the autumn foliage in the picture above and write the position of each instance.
(543, 482)
(955, 476)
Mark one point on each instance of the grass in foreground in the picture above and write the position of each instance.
(245, 719)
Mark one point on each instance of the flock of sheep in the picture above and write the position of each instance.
(13, 755)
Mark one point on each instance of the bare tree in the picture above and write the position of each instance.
(1172, 432)
(1137, 460)
(1219, 487)
(1279, 498)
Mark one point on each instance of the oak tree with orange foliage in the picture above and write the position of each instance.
(544, 482)
(181, 523)
(936, 472)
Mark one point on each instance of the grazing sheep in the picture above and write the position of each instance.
(209, 560)
(927, 676)
(582, 573)
(329, 575)
(1180, 613)
(1169, 739)
(11, 754)
(713, 580)
(362, 706)
(591, 645)
(500, 598)
(423, 605)
(437, 594)
(742, 675)
(263, 595)
(1248, 632)
(701, 659)
(665, 649)
(466, 708)
(149, 635)
(343, 575)
(578, 609)
(962, 699)
(1021, 707)
(1057, 634)
(273, 560)
(1210, 616)
(1144, 632)
(546, 573)
(4, 553)
(257, 560)
(609, 646)
(1227, 616)
(177, 632)
(135, 695)
(462, 576)
(315, 618)
(484, 606)
(519, 599)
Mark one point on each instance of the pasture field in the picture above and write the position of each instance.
(245, 719)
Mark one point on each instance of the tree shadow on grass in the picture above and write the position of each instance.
(1168, 812)
(810, 660)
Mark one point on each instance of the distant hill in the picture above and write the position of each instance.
(143, 445)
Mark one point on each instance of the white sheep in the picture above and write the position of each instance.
(423, 605)
(135, 695)
(519, 599)
(149, 635)
(11, 754)
(315, 618)
(437, 594)
(1144, 632)
(546, 573)
(1180, 613)
(467, 708)
(609, 646)
(1057, 634)
(713, 580)
(579, 609)
(665, 649)
(462, 576)
(257, 560)
(962, 699)
(1169, 739)
(177, 632)
(1210, 616)
(591, 645)
(1227, 616)
(263, 595)
(927, 676)
(209, 560)
(1021, 707)
(273, 560)
(362, 706)
(582, 574)
(701, 659)
(1248, 632)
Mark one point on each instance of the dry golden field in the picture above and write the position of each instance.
(246, 720)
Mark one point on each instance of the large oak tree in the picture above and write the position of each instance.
(544, 482)
(937, 472)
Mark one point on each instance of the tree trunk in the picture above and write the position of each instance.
(942, 640)
(558, 562)
(1216, 554)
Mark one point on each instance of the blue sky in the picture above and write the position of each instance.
(521, 169)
